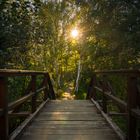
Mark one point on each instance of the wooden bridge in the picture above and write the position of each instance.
(70, 119)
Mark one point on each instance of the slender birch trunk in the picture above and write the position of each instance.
(78, 76)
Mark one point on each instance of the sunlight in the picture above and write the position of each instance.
(74, 33)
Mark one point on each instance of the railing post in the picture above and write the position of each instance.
(3, 105)
(91, 89)
(104, 87)
(132, 103)
(33, 89)
(46, 92)
(51, 91)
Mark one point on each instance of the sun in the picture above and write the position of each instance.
(74, 33)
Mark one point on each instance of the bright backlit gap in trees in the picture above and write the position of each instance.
(74, 33)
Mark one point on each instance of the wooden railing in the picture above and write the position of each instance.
(100, 85)
(13, 108)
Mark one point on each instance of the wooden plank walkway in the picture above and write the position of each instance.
(69, 120)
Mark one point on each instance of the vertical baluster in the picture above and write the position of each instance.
(33, 89)
(51, 91)
(91, 89)
(105, 88)
(132, 98)
(4, 106)
(46, 88)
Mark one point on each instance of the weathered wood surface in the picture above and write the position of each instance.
(69, 120)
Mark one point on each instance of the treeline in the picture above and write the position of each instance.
(35, 34)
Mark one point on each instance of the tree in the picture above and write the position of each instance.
(16, 17)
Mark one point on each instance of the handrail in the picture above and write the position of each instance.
(131, 108)
(12, 72)
(20, 101)
(120, 71)
(30, 93)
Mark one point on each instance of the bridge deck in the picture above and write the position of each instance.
(69, 120)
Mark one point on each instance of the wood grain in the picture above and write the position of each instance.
(69, 120)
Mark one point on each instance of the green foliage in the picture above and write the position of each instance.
(35, 35)
(16, 87)
(118, 27)
(16, 17)
(121, 122)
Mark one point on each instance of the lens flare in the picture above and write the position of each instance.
(74, 33)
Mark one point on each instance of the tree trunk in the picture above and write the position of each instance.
(78, 76)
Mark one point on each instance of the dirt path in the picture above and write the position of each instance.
(67, 95)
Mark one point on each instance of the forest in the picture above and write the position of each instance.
(70, 39)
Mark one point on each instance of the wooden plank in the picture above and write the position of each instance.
(132, 104)
(98, 124)
(70, 118)
(46, 90)
(68, 113)
(91, 90)
(68, 124)
(19, 114)
(70, 137)
(49, 123)
(105, 89)
(51, 90)
(70, 105)
(73, 104)
(70, 108)
(70, 101)
(123, 72)
(12, 72)
(102, 126)
(72, 131)
(33, 90)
